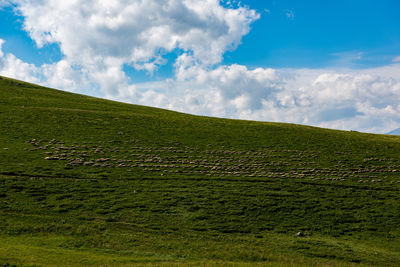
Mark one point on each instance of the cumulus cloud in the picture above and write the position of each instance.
(353, 100)
(4, 3)
(59, 75)
(12, 66)
(396, 59)
(223, 91)
(1, 47)
(235, 83)
(97, 38)
(139, 33)
(365, 100)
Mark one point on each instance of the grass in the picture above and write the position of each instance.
(86, 181)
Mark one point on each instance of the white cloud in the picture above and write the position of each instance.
(136, 32)
(58, 75)
(4, 3)
(365, 100)
(396, 59)
(98, 37)
(68, 77)
(11, 66)
(289, 14)
(1, 47)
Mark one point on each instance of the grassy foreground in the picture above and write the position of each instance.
(86, 181)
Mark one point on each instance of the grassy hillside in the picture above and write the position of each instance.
(86, 181)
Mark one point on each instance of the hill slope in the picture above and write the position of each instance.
(86, 181)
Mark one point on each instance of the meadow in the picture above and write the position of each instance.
(88, 182)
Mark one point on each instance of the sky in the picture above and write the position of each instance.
(331, 64)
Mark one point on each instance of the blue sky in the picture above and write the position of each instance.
(321, 34)
(271, 60)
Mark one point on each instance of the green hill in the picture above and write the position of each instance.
(87, 181)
